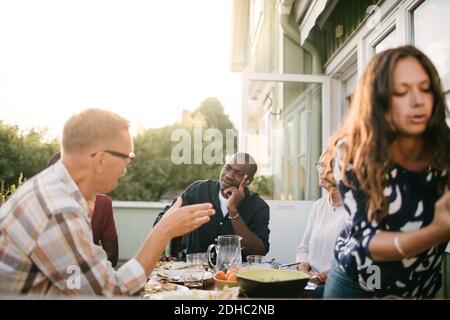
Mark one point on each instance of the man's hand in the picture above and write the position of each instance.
(178, 220)
(175, 222)
(235, 195)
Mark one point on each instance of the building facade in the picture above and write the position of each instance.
(300, 61)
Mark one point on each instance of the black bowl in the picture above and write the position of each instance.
(273, 283)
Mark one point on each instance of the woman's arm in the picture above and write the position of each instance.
(302, 249)
(394, 246)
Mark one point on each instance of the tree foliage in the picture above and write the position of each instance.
(264, 185)
(23, 153)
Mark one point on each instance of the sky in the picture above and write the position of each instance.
(146, 60)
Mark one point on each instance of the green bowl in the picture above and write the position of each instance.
(272, 283)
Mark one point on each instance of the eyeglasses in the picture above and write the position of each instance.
(320, 165)
(130, 157)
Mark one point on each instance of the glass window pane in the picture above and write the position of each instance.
(256, 14)
(304, 130)
(389, 41)
(291, 180)
(431, 25)
(291, 138)
(288, 156)
(302, 177)
(349, 88)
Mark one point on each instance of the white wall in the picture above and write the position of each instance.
(287, 225)
(134, 220)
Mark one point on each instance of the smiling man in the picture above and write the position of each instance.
(238, 210)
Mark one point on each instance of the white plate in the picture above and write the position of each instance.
(179, 275)
(231, 293)
(171, 265)
(178, 288)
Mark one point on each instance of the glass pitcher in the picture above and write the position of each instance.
(228, 253)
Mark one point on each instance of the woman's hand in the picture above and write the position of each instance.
(319, 277)
(441, 221)
(304, 267)
(322, 276)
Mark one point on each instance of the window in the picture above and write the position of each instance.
(296, 134)
(256, 16)
(389, 41)
(350, 83)
(431, 29)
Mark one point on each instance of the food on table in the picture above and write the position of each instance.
(155, 286)
(273, 275)
(179, 276)
(227, 280)
(232, 277)
(225, 294)
(220, 275)
(171, 265)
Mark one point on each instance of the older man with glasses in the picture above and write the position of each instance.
(46, 244)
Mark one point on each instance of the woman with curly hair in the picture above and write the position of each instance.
(391, 165)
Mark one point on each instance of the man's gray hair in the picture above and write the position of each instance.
(90, 127)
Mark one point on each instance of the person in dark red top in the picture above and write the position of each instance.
(104, 227)
(102, 222)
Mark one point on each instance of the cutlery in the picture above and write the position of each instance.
(284, 266)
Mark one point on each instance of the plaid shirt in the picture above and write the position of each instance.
(46, 244)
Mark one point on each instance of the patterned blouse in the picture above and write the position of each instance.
(411, 198)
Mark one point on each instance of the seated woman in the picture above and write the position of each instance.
(326, 220)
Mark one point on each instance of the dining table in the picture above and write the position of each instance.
(210, 286)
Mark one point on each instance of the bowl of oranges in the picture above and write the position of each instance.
(228, 279)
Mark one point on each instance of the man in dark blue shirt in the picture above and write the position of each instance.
(238, 210)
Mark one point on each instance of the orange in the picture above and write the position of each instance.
(220, 275)
(232, 277)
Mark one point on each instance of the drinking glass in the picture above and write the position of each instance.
(255, 261)
(193, 277)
